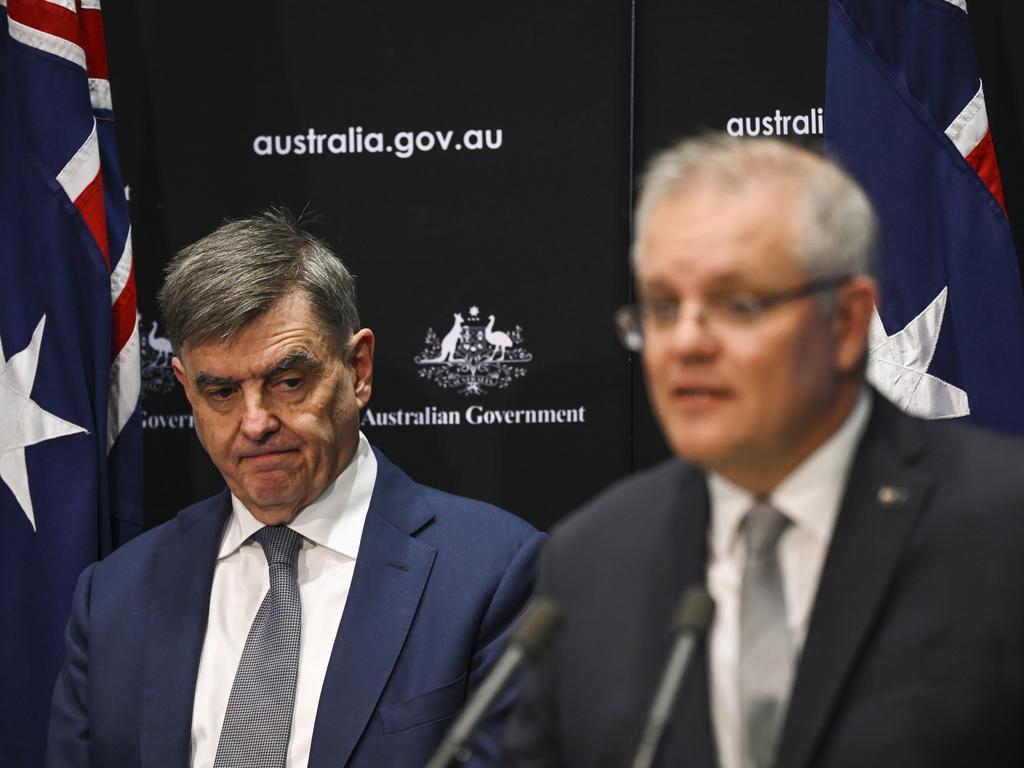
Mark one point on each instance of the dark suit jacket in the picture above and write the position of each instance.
(437, 583)
(915, 651)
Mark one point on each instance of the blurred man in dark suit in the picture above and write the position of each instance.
(866, 566)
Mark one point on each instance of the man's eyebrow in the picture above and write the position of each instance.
(724, 281)
(208, 381)
(297, 357)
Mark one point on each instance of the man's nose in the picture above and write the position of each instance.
(258, 420)
(691, 335)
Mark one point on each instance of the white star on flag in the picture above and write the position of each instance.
(898, 365)
(22, 421)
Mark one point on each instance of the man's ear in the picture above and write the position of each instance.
(855, 304)
(359, 359)
(179, 373)
(179, 370)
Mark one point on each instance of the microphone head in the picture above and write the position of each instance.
(537, 626)
(695, 612)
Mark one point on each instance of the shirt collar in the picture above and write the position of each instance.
(334, 520)
(809, 496)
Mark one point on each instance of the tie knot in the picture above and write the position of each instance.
(764, 525)
(280, 544)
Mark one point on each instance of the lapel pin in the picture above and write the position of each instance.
(892, 496)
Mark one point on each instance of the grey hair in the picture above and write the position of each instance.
(837, 229)
(220, 283)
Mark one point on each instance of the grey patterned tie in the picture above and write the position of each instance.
(766, 648)
(258, 718)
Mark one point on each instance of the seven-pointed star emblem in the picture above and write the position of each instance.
(898, 365)
(22, 421)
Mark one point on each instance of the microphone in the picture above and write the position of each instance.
(691, 621)
(529, 638)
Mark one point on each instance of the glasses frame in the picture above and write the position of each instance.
(629, 318)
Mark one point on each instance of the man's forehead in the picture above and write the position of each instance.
(256, 350)
(719, 235)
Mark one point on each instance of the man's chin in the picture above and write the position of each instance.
(272, 515)
(273, 506)
(707, 453)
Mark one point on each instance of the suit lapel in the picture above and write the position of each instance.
(391, 572)
(682, 564)
(884, 496)
(176, 624)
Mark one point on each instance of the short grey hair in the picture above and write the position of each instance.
(220, 283)
(837, 229)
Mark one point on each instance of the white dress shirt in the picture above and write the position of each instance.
(810, 497)
(331, 528)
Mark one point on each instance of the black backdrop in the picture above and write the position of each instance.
(533, 229)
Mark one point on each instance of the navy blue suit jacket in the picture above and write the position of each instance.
(438, 581)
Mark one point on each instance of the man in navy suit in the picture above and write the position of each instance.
(401, 595)
(866, 566)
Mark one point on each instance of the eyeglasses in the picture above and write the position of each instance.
(731, 310)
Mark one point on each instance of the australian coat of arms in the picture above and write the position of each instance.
(473, 356)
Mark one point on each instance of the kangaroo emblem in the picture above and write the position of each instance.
(450, 340)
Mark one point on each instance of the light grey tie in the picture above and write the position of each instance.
(766, 648)
(258, 718)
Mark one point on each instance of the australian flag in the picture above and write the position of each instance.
(905, 113)
(70, 435)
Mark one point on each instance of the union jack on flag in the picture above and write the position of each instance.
(70, 433)
(905, 112)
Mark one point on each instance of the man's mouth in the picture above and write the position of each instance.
(699, 394)
(267, 456)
